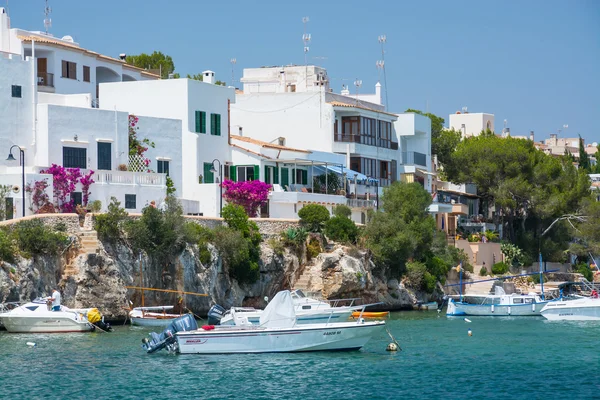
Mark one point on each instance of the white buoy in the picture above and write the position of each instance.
(31, 344)
(470, 333)
(467, 320)
(392, 347)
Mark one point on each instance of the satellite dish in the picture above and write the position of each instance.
(16, 189)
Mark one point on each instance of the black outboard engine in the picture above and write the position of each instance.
(105, 326)
(167, 337)
(215, 314)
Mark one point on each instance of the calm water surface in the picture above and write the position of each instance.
(514, 358)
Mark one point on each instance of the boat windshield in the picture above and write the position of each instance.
(298, 293)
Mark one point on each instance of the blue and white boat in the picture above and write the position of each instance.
(307, 310)
(497, 304)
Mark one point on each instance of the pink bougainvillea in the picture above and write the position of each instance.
(39, 198)
(251, 194)
(64, 183)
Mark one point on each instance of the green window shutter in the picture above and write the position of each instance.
(304, 177)
(197, 128)
(214, 123)
(266, 177)
(276, 175)
(293, 176)
(285, 177)
(233, 173)
(202, 122)
(256, 172)
(218, 123)
(208, 176)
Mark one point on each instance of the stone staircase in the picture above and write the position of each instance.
(310, 282)
(89, 244)
(479, 287)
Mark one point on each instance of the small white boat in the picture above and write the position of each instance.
(578, 309)
(308, 311)
(277, 333)
(430, 306)
(498, 304)
(152, 316)
(34, 317)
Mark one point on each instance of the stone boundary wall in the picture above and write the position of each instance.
(268, 227)
(70, 221)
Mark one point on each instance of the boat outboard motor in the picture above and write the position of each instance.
(167, 337)
(215, 314)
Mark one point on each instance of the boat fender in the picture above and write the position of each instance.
(208, 327)
(492, 308)
(392, 347)
(470, 332)
(533, 307)
(31, 344)
(508, 310)
(467, 320)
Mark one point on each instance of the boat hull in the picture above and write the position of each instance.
(326, 316)
(44, 324)
(140, 318)
(573, 310)
(318, 337)
(461, 309)
(371, 314)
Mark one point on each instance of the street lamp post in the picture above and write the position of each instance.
(22, 159)
(376, 194)
(213, 170)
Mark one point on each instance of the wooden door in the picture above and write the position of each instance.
(42, 65)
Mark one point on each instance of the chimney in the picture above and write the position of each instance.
(208, 77)
(4, 30)
(240, 131)
(531, 136)
(378, 91)
(345, 91)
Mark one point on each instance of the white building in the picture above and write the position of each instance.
(413, 132)
(471, 124)
(57, 124)
(202, 108)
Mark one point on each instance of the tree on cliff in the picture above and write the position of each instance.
(404, 230)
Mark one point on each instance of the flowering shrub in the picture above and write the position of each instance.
(65, 181)
(39, 198)
(138, 147)
(251, 194)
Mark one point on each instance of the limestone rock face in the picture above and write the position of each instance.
(100, 279)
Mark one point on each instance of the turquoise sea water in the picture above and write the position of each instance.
(506, 358)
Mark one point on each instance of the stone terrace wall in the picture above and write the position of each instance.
(70, 221)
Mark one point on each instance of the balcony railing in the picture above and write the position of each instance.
(45, 79)
(414, 158)
(360, 203)
(130, 178)
(364, 139)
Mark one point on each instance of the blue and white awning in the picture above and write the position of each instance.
(350, 174)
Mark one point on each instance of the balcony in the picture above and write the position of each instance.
(414, 158)
(367, 140)
(360, 203)
(45, 79)
(129, 178)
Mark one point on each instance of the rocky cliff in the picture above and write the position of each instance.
(99, 279)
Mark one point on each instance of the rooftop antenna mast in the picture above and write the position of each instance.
(306, 40)
(358, 84)
(47, 20)
(383, 39)
(233, 61)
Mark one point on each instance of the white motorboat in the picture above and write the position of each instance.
(498, 304)
(152, 316)
(577, 309)
(278, 332)
(35, 317)
(308, 311)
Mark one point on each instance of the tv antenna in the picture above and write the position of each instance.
(358, 84)
(233, 61)
(306, 39)
(382, 39)
(47, 20)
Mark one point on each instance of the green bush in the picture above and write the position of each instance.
(536, 279)
(235, 252)
(7, 249)
(294, 237)
(313, 248)
(415, 274)
(429, 282)
(204, 254)
(483, 271)
(313, 216)
(108, 225)
(277, 246)
(34, 238)
(341, 229)
(584, 270)
(195, 233)
(342, 210)
(95, 206)
(500, 268)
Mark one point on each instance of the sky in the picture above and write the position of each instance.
(533, 63)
